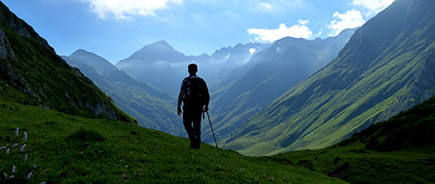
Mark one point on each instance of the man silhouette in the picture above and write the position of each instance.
(195, 97)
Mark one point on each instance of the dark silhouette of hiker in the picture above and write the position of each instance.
(195, 97)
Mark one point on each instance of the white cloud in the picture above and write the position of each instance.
(270, 35)
(263, 6)
(275, 6)
(125, 9)
(373, 6)
(350, 19)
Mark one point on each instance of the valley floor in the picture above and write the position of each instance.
(356, 164)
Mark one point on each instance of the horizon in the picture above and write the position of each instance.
(115, 32)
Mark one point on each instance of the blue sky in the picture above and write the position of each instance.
(115, 29)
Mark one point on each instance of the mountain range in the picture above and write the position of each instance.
(385, 68)
(159, 62)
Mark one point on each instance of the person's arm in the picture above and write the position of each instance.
(180, 99)
(206, 97)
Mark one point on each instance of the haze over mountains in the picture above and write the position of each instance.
(387, 67)
(161, 66)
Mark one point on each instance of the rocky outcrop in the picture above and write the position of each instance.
(20, 27)
(6, 51)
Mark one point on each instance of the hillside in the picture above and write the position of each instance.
(386, 68)
(70, 149)
(32, 73)
(400, 150)
(152, 108)
(271, 72)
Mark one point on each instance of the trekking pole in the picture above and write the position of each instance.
(212, 131)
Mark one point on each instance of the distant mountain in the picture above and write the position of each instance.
(269, 74)
(387, 67)
(32, 73)
(161, 66)
(157, 51)
(152, 108)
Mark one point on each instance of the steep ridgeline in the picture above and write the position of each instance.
(32, 73)
(269, 74)
(161, 66)
(387, 67)
(150, 107)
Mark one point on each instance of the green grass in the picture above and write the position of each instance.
(399, 150)
(70, 149)
(356, 164)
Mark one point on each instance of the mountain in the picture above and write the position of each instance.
(158, 62)
(71, 149)
(269, 74)
(386, 68)
(399, 150)
(32, 73)
(152, 108)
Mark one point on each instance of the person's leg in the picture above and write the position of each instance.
(197, 129)
(187, 121)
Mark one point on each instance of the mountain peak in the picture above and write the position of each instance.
(100, 64)
(157, 51)
(160, 45)
(81, 52)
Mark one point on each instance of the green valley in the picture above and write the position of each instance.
(386, 68)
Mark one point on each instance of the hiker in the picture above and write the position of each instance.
(195, 97)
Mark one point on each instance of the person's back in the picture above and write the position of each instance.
(195, 97)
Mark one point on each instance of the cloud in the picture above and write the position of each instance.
(270, 35)
(265, 7)
(373, 6)
(275, 6)
(350, 19)
(125, 9)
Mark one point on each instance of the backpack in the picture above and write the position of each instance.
(194, 91)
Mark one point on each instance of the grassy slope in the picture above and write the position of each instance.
(382, 71)
(400, 150)
(115, 152)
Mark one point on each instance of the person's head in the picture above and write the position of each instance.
(192, 68)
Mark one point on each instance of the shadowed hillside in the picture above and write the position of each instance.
(32, 73)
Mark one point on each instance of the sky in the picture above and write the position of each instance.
(115, 29)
